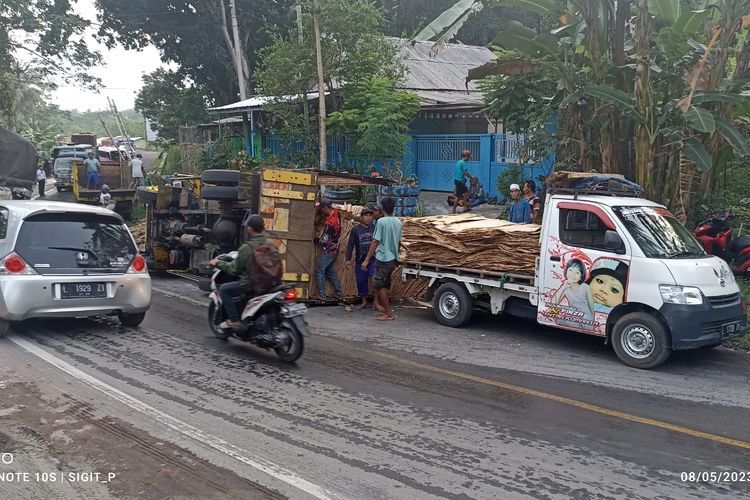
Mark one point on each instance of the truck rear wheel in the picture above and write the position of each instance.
(640, 340)
(452, 305)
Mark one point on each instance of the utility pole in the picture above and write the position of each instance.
(303, 95)
(237, 51)
(321, 87)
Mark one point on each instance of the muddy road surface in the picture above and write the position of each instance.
(407, 409)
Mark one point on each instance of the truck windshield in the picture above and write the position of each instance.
(658, 234)
(62, 165)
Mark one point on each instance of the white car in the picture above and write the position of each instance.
(68, 260)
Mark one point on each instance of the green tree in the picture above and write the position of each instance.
(196, 35)
(166, 101)
(50, 36)
(377, 117)
(288, 67)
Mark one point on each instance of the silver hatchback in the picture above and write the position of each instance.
(68, 260)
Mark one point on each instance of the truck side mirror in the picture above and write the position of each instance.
(613, 242)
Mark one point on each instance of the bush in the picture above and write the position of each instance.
(511, 175)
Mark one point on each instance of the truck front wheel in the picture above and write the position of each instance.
(640, 340)
(452, 305)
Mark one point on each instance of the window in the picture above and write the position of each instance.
(3, 222)
(658, 234)
(581, 228)
(75, 243)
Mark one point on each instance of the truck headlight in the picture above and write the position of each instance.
(672, 294)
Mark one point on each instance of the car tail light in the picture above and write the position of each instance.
(14, 264)
(291, 295)
(138, 265)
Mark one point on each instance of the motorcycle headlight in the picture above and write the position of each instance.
(672, 294)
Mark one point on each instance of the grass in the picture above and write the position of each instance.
(744, 341)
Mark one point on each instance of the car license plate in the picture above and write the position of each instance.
(82, 290)
(731, 329)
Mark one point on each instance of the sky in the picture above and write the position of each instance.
(120, 73)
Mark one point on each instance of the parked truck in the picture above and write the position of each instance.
(70, 172)
(612, 265)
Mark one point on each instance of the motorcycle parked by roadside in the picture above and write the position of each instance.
(274, 320)
(715, 235)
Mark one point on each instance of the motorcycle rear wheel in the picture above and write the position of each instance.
(291, 352)
(215, 318)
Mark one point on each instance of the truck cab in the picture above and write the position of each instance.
(625, 269)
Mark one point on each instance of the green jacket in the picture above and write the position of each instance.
(240, 267)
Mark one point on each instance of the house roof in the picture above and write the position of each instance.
(439, 79)
(445, 71)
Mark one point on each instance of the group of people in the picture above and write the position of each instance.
(465, 196)
(521, 209)
(373, 244)
(93, 167)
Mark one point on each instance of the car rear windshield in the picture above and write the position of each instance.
(75, 243)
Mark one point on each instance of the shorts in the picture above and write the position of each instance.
(92, 178)
(383, 274)
(460, 188)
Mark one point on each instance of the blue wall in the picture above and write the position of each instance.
(432, 158)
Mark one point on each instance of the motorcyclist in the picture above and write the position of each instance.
(240, 268)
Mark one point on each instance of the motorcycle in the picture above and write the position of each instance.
(274, 320)
(715, 235)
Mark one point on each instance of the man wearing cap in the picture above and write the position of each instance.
(329, 249)
(240, 268)
(360, 240)
(459, 180)
(519, 210)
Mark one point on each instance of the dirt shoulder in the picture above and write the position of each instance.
(59, 447)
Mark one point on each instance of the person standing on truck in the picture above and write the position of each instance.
(329, 249)
(459, 180)
(136, 171)
(384, 247)
(360, 240)
(519, 210)
(41, 180)
(529, 194)
(92, 171)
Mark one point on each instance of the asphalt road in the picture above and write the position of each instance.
(409, 409)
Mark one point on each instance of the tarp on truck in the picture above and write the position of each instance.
(18, 160)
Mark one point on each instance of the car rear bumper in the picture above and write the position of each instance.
(27, 296)
(711, 323)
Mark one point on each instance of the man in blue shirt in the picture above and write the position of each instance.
(360, 240)
(384, 247)
(519, 210)
(459, 180)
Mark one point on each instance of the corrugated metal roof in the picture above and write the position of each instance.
(446, 70)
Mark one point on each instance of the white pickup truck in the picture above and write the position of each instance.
(619, 267)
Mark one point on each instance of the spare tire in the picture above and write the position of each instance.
(220, 193)
(221, 177)
(344, 194)
(146, 196)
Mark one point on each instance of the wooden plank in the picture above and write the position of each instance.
(289, 176)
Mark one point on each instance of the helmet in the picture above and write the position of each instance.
(105, 188)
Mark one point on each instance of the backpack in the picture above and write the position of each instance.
(265, 271)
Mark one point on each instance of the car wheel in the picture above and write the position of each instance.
(640, 340)
(4, 327)
(220, 193)
(131, 319)
(221, 177)
(60, 189)
(452, 305)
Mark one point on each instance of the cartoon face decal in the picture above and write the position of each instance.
(607, 290)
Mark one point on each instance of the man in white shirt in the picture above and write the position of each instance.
(41, 179)
(136, 166)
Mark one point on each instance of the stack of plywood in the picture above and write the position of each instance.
(138, 231)
(471, 241)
